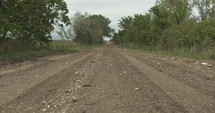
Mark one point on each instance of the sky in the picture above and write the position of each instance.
(112, 9)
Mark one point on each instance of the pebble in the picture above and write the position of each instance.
(210, 65)
(68, 91)
(204, 64)
(74, 100)
(43, 110)
(137, 88)
(76, 73)
(87, 85)
(48, 106)
(197, 63)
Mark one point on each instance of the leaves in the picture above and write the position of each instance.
(169, 25)
(91, 28)
(31, 20)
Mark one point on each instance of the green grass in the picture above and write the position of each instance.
(206, 55)
(55, 47)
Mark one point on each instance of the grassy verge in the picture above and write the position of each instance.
(205, 55)
(55, 47)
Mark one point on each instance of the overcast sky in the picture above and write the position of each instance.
(113, 9)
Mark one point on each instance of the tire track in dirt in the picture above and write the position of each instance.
(14, 84)
(54, 94)
(193, 100)
(118, 87)
(198, 77)
(106, 81)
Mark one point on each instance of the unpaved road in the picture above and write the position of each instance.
(107, 80)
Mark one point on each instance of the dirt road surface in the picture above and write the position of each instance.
(108, 80)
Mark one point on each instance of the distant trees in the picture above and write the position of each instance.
(31, 21)
(171, 25)
(90, 29)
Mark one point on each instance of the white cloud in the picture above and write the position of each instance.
(113, 9)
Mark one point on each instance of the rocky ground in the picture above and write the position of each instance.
(108, 80)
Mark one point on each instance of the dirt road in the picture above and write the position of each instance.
(108, 80)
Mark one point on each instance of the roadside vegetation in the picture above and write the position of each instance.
(26, 29)
(177, 27)
(53, 48)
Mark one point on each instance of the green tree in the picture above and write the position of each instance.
(90, 28)
(160, 17)
(31, 21)
(125, 24)
(82, 34)
(179, 10)
(169, 26)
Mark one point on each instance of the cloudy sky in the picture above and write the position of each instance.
(113, 9)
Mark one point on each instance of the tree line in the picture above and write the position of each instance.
(30, 23)
(188, 25)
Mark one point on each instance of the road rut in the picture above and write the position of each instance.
(106, 80)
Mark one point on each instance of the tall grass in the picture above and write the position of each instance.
(63, 45)
(207, 54)
(15, 50)
(71, 46)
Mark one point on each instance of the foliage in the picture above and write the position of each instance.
(31, 21)
(54, 47)
(170, 26)
(206, 8)
(90, 29)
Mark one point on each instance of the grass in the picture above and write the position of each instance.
(55, 47)
(205, 55)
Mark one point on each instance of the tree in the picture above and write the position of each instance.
(31, 21)
(179, 10)
(161, 17)
(124, 23)
(78, 24)
(169, 26)
(90, 28)
(66, 33)
(206, 8)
